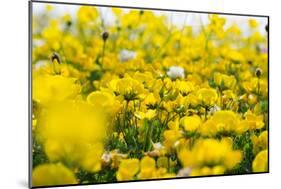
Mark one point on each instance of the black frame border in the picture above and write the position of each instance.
(30, 142)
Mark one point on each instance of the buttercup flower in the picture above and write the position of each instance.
(260, 163)
(224, 80)
(52, 174)
(127, 169)
(207, 96)
(210, 152)
(191, 123)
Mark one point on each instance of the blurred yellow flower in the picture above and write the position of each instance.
(210, 152)
(51, 88)
(86, 14)
(52, 174)
(72, 132)
(253, 23)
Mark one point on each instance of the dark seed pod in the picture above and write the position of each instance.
(68, 23)
(105, 35)
(55, 56)
(258, 72)
(266, 28)
(250, 62)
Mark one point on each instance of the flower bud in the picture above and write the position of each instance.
(258, 72)
(68, 23)
(105, 35)
(55, 56)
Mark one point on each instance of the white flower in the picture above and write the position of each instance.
(157, 146)
(184, 172)
(175, 72)
(106, 157)
(215, 109)
(39, 64)
(126, 55)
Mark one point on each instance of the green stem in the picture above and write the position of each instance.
(258, 89)
(103, 52)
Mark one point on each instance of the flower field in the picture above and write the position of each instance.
(140, 98)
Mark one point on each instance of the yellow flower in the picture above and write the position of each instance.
(185, 87)
(234, 30)
(260, 163)
(207, 96)
(192, 99)
(151, 99)
(254, 121)
(208, 128)
(225, 80)
(235, 56)
(73, 131)
(128, 87)
(253, 23)
(256, 85)
(49, 88)
(86, 14)
(117, 11)
(223, 121)
(91, 160)
(242, 127)
(210, 152)
(146, 115)
(260, 142)
(101, 99)
(52, 174)
(145, 77)
(191, 123)
(171, 137)
(174, 125)
(147, 168)
(205, 171)
(53, 35)
(229, 95)
(226, 120)
(49, 7)
(128, 168)
(130, 19)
